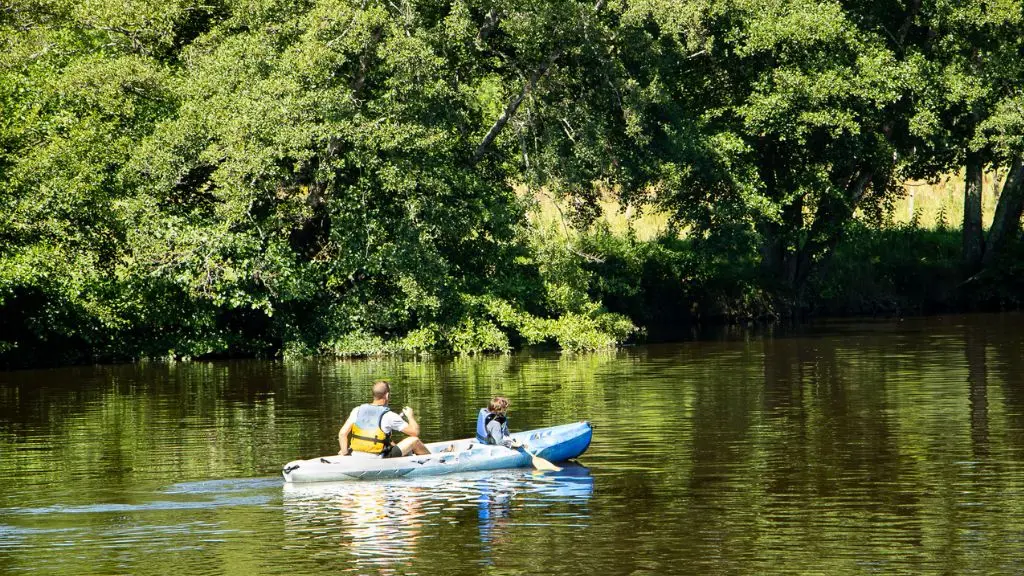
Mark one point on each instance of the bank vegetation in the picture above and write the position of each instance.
(185, 178)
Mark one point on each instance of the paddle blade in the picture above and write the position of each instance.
(542, 464)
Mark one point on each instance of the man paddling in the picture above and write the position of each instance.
(371, 425)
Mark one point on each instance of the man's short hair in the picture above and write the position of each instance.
(381, 389)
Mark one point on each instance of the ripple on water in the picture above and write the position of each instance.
(890, 448)
(223, 486)
(107, 508)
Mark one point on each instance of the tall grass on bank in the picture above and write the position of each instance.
(940, 204)
(930, 205)
(908, 264)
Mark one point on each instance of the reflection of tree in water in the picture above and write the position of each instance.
(1007, 343)
(975, 342)
(828, 417)
(829, 430)
(790, 366)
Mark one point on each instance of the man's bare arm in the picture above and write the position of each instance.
(346, 429)
(413, 427)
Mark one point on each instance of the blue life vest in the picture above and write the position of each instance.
(367, 433)
(483, 419)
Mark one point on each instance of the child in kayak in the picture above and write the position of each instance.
(492, 424)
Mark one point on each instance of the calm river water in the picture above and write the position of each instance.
(892, 447)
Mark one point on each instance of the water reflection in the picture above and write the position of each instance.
(379, 525)
(847, 448)
(494, 511)
(975, 343)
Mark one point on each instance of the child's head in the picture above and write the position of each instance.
(498, 405)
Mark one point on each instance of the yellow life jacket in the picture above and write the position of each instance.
(367, 434)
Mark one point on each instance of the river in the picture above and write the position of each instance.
(842, 447)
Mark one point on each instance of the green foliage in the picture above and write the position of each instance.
(668, 282)
(263, 177)
(268, 177)
(894, 270)
(475, 336)
(779, 120)
(999, 287)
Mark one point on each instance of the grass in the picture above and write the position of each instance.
(934, 205)
(646, 225)
(940, 204)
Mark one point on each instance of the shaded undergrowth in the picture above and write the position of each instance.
(584, 291)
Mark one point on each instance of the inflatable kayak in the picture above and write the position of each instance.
(556, 443)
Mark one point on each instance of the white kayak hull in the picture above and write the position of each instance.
(556, 443)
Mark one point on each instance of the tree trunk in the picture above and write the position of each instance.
(829, 219)
(793, 219)
(973, 238)
(775, 242)
(791, 261)
(1006, 223)
(773, 251)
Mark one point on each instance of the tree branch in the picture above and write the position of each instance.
(512, 106)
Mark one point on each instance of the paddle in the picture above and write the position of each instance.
(538, 462)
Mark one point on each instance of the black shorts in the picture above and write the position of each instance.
(393, 452)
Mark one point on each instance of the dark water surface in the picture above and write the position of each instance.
(892, 447)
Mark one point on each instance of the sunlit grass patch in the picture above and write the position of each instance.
(646, 224)
(940, 204)
(931, 205)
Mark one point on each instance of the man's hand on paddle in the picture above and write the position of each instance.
(413, 427)
(517, 444)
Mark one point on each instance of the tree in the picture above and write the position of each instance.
(77, 96)
(256, 175)
(1005, 128)
(970, 52)
(755, 123)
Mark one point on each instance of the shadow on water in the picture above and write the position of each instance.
(380, 524)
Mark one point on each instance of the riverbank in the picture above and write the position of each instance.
(348, 180)
(637, 290)
(903, 269)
